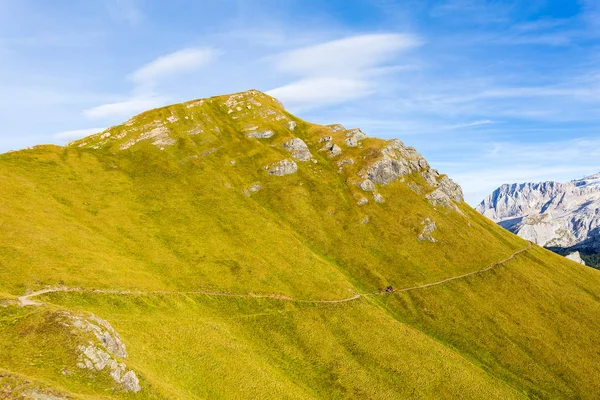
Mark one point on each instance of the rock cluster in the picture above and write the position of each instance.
(104, 353)
(396, 161)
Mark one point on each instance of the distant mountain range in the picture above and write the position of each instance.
(563, 217)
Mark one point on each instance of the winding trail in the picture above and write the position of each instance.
(25, 300)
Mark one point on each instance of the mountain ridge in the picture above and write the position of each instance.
(562, 216)
(154, 219)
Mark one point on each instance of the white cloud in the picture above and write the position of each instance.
(349, 56)
(180, 61)
(124, 108)
(76, 134)
(146, 78)
(307, 93)
(339, 70)
(471, 124)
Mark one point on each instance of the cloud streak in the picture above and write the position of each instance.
(76, 134)
(174, 63)
(340, 70)
(147, 77)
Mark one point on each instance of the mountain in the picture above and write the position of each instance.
(224, 248)
(564, 217)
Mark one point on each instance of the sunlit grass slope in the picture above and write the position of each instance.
(159, 210)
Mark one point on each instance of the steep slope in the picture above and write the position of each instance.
(223, 248)
(562, 216)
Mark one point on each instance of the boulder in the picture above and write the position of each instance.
(283, 167)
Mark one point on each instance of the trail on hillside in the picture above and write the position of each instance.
(25, 300)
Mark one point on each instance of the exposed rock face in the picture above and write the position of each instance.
(354, 136)
(283, 167)
(396, 161)
(158, 134)
(367, 185)
(575, 257)
(428, 228)
(336, 127)
(332, 149)
(551, 214)
(260, 134)
(104, 353)
(298, 149)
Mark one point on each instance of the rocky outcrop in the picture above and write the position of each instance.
(396, 161)
(336, 127)
(354, 137)
(428, 228)
(367, 185)
(298, 149)
(332, 150)
(102, 350)
(576, 257)
(283, 167)
(159, 135)
(260, 134)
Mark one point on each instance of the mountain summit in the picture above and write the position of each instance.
(225, 248)
(561, 216)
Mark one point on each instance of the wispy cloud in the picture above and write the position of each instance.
(339, 70)
(125, 108)
(174, 63)
(470, 124)
(75, 134)
(146, 78)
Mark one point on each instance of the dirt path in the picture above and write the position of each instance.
(26, 299)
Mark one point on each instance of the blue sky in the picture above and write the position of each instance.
(489, 91)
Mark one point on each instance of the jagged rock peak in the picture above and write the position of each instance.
(551, 214)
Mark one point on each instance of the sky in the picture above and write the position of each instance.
(489, 91)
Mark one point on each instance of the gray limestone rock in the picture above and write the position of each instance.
(367, 185)
(354, 137)
(332, 149)
(283, 167)
(131, 382)
(551, 214)
(260, 134)
(428, 228)
(298, 149)
(336, 127)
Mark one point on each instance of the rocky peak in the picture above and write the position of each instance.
(551, 214)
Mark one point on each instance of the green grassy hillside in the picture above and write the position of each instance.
(224, 277)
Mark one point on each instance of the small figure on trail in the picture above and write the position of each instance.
(389, 289)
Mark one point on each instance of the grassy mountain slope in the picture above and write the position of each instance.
(148, 218)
